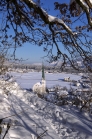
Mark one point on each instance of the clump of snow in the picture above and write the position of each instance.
(62, 93)
(1, 91)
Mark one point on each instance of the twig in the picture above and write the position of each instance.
(41, 135)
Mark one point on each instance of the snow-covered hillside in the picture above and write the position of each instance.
(33, 117)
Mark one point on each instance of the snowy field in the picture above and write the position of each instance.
(35, 118)
(27, 80)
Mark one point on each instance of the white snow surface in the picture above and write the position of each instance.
(27, 80)
(33, 115)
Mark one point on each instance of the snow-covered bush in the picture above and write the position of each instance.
(62, 96)
(51, 97)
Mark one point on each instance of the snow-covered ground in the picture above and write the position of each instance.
(27, 80)
(34, 117)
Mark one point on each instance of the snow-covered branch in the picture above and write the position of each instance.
(86, 5)
(48, 19)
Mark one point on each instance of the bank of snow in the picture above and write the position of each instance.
(34, 116)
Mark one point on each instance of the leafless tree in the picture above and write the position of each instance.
(70, 29)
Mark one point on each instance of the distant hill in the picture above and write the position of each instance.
(37, 64)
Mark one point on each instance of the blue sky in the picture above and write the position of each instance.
(31, 52)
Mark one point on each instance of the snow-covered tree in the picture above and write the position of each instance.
(31, 22)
